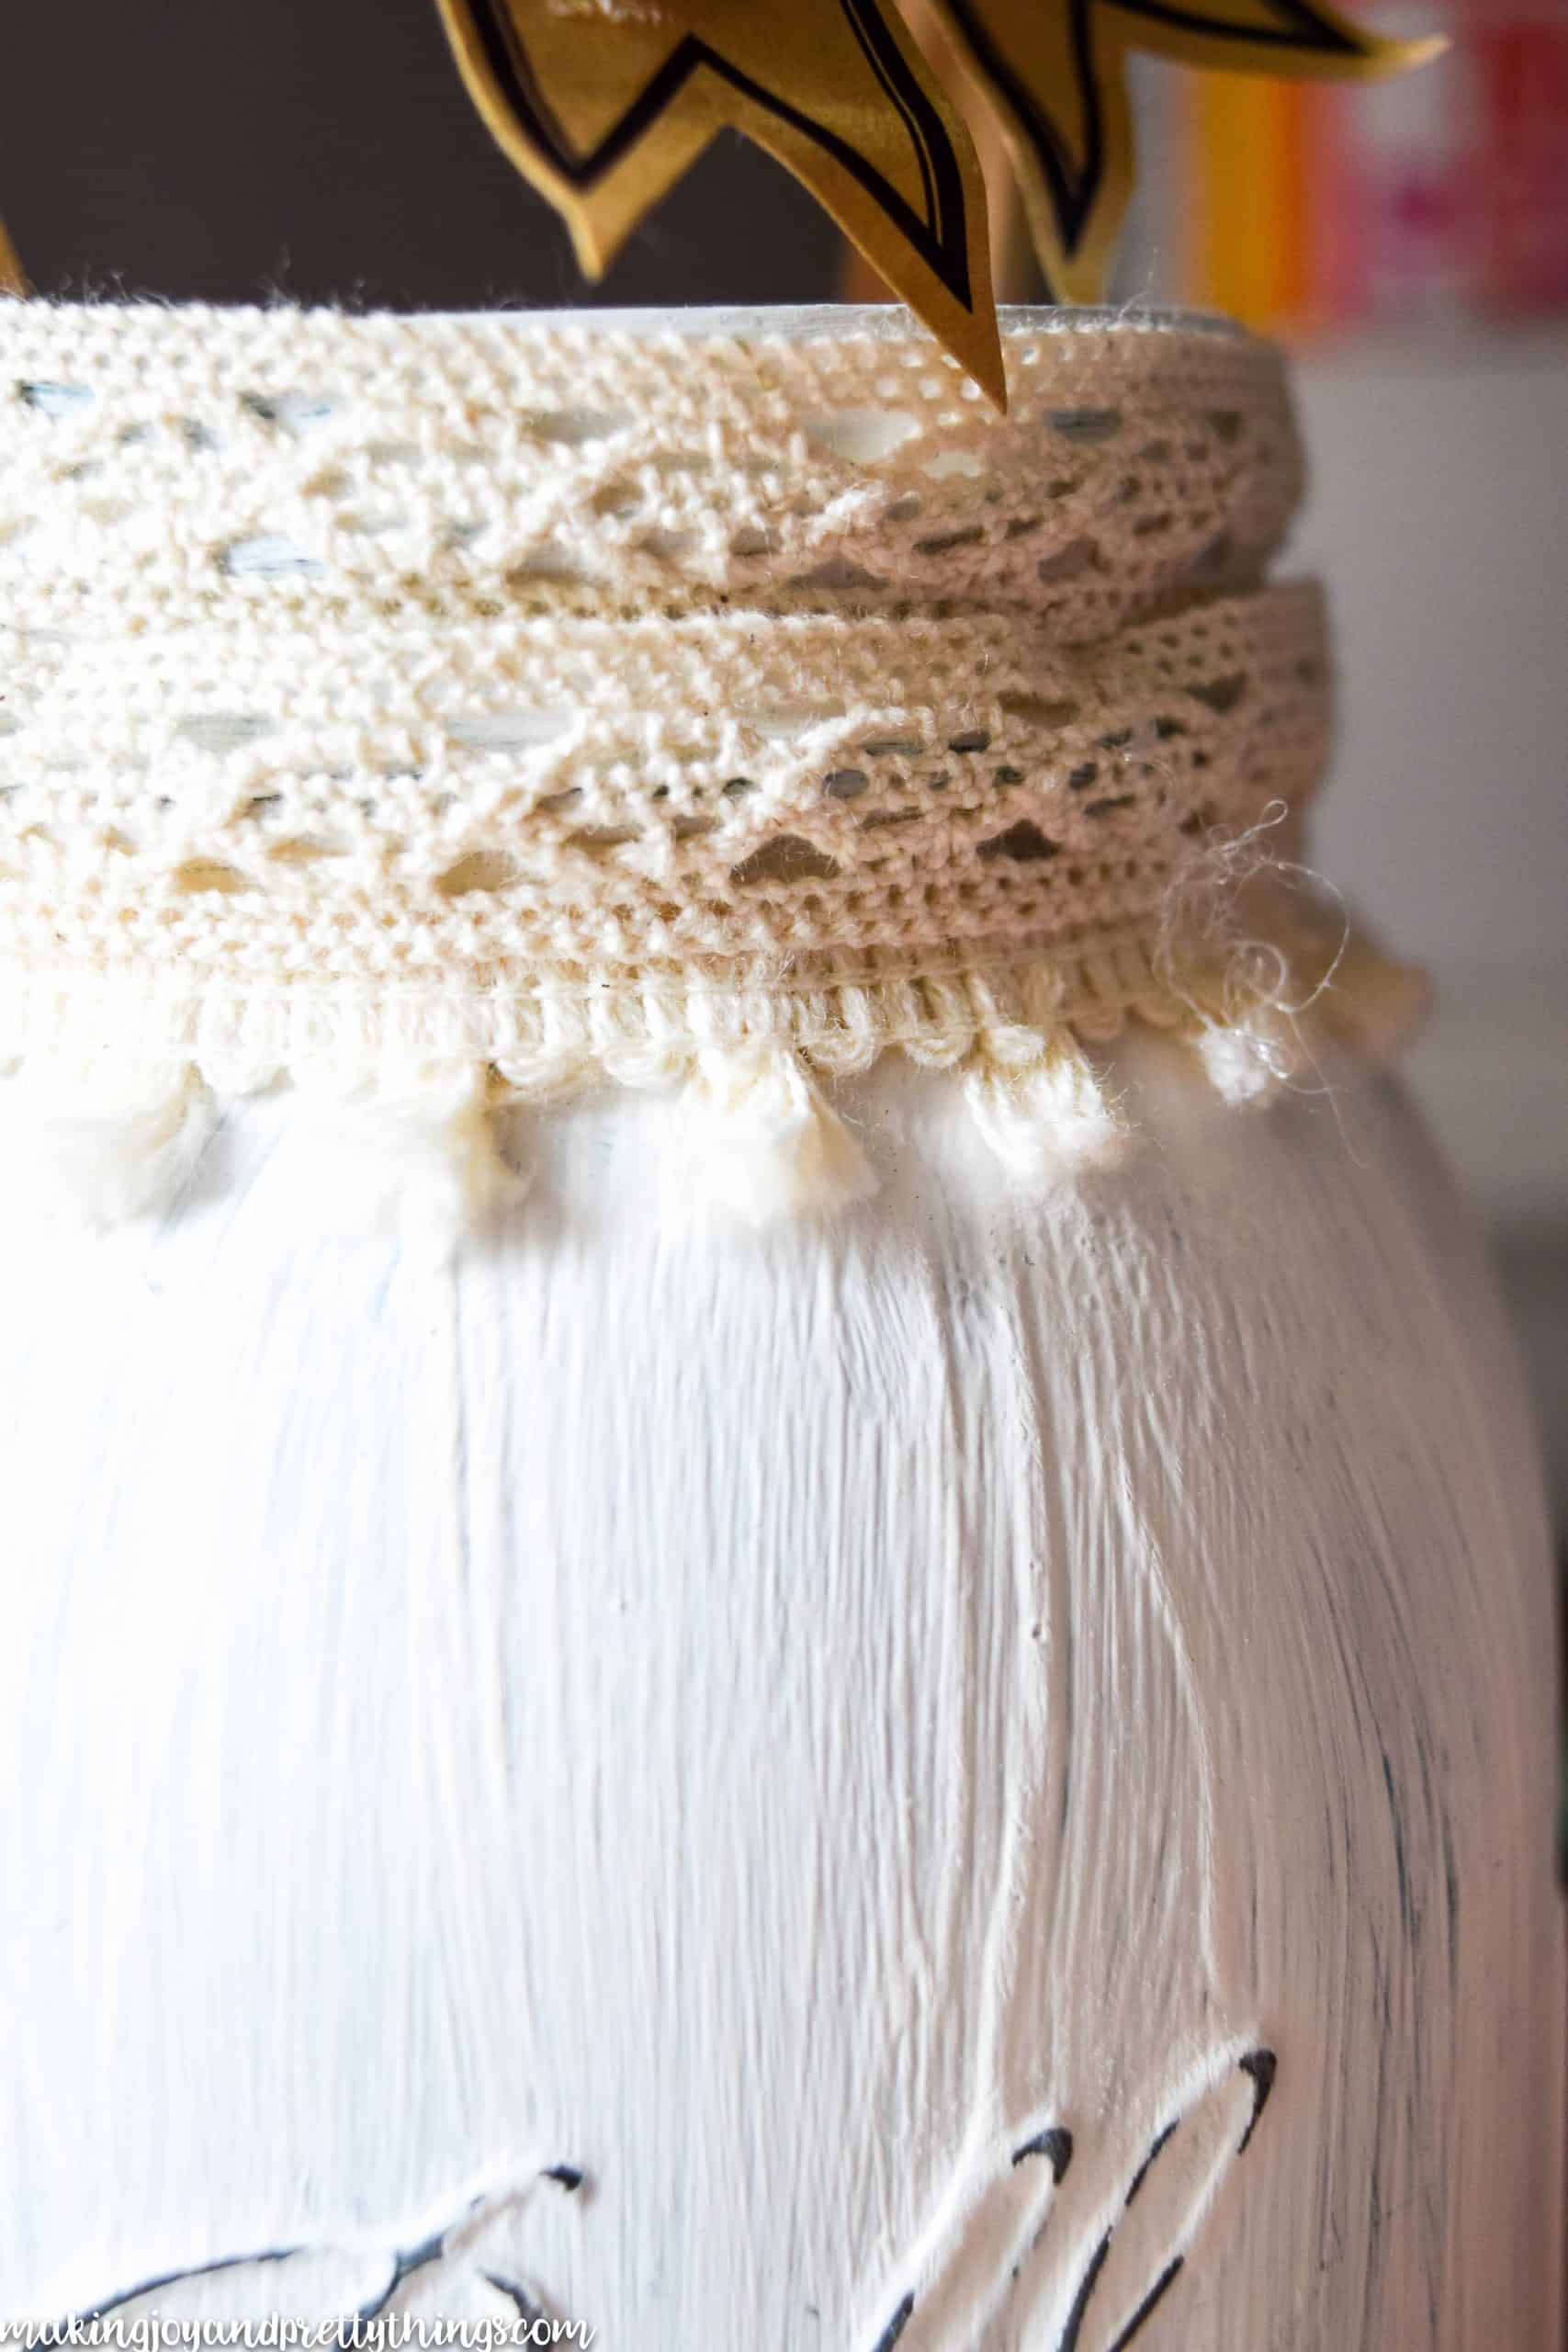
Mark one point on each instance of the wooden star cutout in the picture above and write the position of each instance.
(604, 103)
(1053, 73)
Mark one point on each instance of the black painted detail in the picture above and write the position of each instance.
(1056, 2145)
(405, 2262)
(1167, 2278)
(404, 2265)
(1143, 2172)
(1074, 2327)
(1075, 181)
(522, 2302)
(938, 230)
(1262, 2066)
(173, 2278)
(895, 2326)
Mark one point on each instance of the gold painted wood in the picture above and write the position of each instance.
(602, 104)
(13, 278)
(1015, 274)
(1053, 78)
(602, 114)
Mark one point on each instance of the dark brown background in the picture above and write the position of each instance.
(222, 150)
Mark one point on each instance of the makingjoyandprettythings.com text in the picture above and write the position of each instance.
(148, 2332)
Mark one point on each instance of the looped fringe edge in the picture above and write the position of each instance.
(103, 1137)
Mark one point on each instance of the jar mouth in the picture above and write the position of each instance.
(777, 322)
(891, 321)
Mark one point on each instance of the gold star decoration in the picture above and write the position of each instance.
(604, 103)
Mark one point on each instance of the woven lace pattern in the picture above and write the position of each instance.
(563, 700)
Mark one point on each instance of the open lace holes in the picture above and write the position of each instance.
(668, 546)
(508, 730)
(1040, 710)
(966, 463)
(1024, 843)
(306, 849)
(266, 555)
(546, 563)
(575, 428)
(56, 399)
(782, 722)
(944, 542)
(296, 411)
(1070, 563)
(223, 730)
(1221, 694)
(860, 435)
(600, 842)
(1085, 426)
(615, 498)
(480, 870)
(199, 876)
(787, 858)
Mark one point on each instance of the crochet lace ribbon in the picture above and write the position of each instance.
(441, 711)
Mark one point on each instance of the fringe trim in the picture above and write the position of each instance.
(406, 1090)
(101, 1141)
(762, 1142)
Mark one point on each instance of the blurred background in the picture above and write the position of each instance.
(1409, 240)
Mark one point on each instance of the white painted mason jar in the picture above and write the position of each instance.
(909, 1703)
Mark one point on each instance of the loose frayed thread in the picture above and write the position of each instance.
(1259, 952)
(759, 1140)
(1237, 989)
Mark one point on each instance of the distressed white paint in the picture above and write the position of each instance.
(779, 1721)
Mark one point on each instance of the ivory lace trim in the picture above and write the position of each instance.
(439, 710)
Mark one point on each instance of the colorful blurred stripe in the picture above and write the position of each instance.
(1305, 207)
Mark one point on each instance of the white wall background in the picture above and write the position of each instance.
(1439, 516)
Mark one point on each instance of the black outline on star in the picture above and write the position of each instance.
(937, 231)
(1075, 189)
